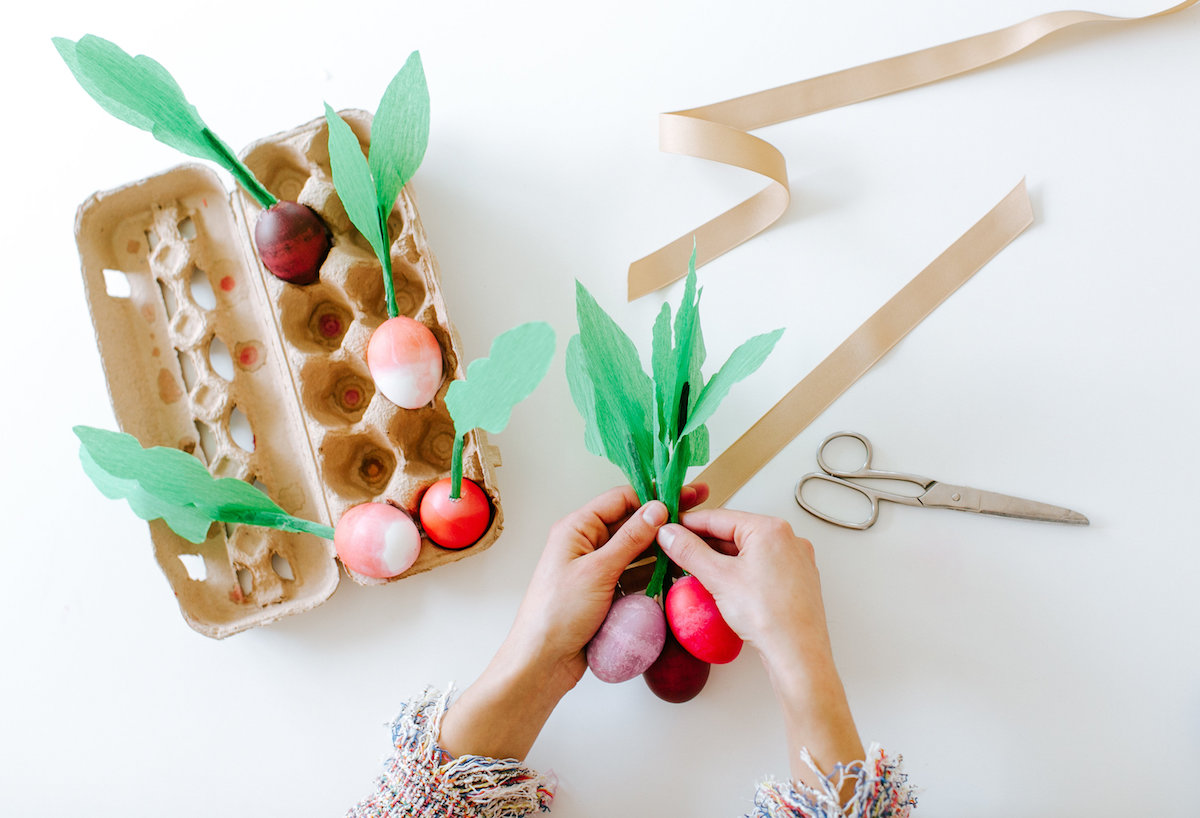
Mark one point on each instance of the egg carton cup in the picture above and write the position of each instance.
(265, 381)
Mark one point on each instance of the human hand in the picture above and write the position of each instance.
(501, 714)
(573, 584)
(765, 582)
(763, 577)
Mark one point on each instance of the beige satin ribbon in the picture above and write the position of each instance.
(866, 345)
(719, 131)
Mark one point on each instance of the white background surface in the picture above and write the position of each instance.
(1021, 668)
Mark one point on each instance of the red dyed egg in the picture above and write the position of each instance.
(676, 675)
(455, 523)
(292, 242)
(697, 623)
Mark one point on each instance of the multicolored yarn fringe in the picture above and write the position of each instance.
(881, 790)
(422, 780)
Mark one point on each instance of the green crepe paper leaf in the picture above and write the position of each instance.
(185, 521)
(620, 447)
(697, 446)
(624, 391)
(515, 365)
(353, 182)
(744, 360)
(660, 367)
(67, 50)
(175, 485)
(399, 132)
(138, 90)
(583, 393)
(684, 363)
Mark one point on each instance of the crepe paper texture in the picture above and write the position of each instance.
(516, 364)
(140, 91)
(652, 428)
(161, 482)
(720, 132)
(368, 187)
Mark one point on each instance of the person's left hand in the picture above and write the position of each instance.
(572, 586)
(501, 714)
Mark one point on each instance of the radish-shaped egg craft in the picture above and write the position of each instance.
(454, 511)
(653, 428)
(403, 356)
(291, 239)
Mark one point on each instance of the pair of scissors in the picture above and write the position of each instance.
(934, 494)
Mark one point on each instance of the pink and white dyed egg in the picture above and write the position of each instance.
(377, 540)
(405, 362)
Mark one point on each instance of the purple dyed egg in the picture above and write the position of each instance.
(631, 638)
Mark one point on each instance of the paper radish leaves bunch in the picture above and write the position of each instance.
(292, 240)
(653, 429)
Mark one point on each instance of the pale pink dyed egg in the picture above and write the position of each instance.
(377, 540)
(405, 362)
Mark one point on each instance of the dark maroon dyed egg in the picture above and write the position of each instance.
(676, 675)
(292, 242)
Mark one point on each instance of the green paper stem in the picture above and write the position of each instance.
(385, 261)
(456, 468)
(241, 174)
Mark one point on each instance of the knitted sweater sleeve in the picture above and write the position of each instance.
(880, 790)
(422, 781)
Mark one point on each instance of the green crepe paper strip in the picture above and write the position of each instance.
(652, 427)
(368, 188)
(140, 91)
(161, 482)
(516, 364)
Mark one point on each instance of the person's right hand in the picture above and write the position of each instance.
(765, 583)
(763, 577)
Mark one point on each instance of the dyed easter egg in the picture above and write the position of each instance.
(455, 523)
(292, 242)
(676, 675)
(629, 641)
(405, 361)
(698, 625)
(377, 540)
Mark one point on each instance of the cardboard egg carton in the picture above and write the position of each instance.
(266, 381)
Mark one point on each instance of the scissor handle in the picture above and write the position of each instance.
(864, 470)
(872, 498)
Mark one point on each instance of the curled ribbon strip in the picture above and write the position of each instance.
(720, 131)
(866, 345)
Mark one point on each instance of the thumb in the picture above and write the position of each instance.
(634, 537)
(690, 553)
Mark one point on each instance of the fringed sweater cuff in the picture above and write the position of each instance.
(423, 781)
(881, 790)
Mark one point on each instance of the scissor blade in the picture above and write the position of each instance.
(962, 498)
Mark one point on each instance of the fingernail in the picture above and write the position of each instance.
(666, 538)
(655, 513)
